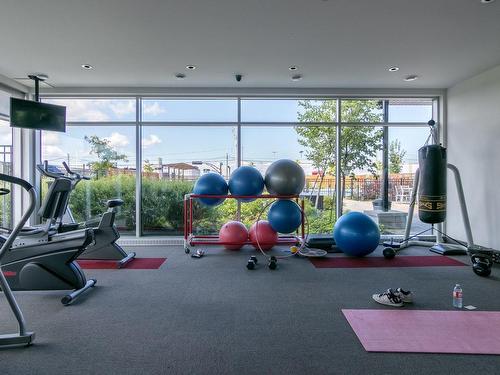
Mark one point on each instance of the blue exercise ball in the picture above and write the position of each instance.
(210, 184)
(284, 216)
(246, 180)
(356, 234)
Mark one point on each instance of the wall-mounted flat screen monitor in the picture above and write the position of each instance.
(35, 115)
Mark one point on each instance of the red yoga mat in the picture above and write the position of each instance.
(426, 331)
(134, 264)
(372, 262)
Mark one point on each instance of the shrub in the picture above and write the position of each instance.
(163, 207)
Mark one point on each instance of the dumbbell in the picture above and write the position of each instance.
(273, 263)
(252, 262)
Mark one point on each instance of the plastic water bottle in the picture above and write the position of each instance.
(457, 296)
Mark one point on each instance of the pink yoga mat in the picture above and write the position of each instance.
(427, 331)
(134, 264)
(399, 261)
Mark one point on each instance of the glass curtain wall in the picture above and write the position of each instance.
(183, 138)
(301, 130)
(99, 143)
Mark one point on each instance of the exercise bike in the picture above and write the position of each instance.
(40, 258)
(104, 246)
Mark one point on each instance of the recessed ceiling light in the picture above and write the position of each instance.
(296, 77)
(487, 1)
(410, 78)
(393, 69)
(191, 67)
(87, 66)
(293, 67)
(180, 75)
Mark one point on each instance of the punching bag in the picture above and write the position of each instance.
(432, 187)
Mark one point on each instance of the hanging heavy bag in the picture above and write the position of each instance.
(432, 187)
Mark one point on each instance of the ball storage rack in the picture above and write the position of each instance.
(191, 240)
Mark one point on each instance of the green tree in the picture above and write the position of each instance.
(359, 144)
(148, 167)
(106, 154)
(396, 157)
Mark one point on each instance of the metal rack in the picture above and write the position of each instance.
(191, 239)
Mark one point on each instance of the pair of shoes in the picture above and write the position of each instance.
(396, 298)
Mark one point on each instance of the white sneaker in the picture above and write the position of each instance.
(405, 295)
(389, 298)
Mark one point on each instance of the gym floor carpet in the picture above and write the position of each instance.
(213, 316)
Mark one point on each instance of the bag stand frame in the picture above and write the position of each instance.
(440, 246)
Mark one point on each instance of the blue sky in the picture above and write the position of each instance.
(260, 144)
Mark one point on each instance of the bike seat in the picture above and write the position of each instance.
(114, 203)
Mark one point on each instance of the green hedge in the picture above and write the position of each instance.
(162, 205)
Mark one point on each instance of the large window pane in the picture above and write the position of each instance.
(361, 163)
(6, 168)
(105, 153)
(314, 149)
(173, 158)
(288, 110)
(362, 110)
(97, 110)
(190, 110)
(404, 143)
(410, 110)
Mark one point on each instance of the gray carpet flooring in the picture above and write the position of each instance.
(212, 316)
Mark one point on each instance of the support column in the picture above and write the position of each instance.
(338, 170)
(385, 160)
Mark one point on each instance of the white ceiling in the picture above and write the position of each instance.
(336, 43)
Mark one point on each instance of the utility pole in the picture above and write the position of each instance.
(160, 173)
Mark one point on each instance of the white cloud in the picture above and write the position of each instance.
(118, 140)
(153, 139)
(82, 110)
(152, 109)
(51, 152)
(51, 139)
(123, 108)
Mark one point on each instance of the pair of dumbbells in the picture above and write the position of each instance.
(252, 263)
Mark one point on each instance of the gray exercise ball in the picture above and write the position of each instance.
(285, 177)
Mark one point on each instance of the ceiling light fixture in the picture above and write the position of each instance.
(190, 67)
(293, 67)
(410, 78)
(180, 75)
(87, 66)
(393, 69)
(296, 77)
(487, 1)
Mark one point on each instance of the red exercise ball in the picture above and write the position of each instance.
(266, 235)
(233, 235)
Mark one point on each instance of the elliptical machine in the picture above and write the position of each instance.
(104, 246)
(40, 258)
(23, 337)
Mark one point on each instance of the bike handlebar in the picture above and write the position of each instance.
(71, 175)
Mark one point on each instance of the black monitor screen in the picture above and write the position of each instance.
(36, 115)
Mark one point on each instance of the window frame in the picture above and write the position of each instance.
(437, 102)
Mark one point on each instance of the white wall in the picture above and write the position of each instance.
(474, 147)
